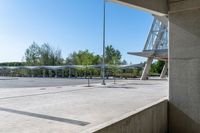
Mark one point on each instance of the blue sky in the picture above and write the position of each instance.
(70, 25)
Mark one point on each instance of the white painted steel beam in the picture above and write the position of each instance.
(147, 69)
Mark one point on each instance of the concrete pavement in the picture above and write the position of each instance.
(20, 82)
(73, 109)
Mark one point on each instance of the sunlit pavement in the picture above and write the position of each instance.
(73, 108)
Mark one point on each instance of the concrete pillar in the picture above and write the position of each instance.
(146, 69)
(184, 67)
(164, 70)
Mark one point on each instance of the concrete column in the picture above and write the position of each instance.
(184, 67)
(164, 70)
(146, 69)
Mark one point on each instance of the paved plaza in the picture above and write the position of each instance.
(68, 105)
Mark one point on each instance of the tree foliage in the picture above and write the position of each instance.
(32, 54)
(157, 67)
(124, 62)
(43, 55)
(83, 58)
(112, 55)
(46, 55)
(12, 64)
(49, 56)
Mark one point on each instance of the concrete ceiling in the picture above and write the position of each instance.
(156, 7)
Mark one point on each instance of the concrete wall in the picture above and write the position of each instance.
(153, 119)
(184, 66)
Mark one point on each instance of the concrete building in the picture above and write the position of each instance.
(184, 59)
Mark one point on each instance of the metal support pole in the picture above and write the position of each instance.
(63, 73)
(69, 76)
(32, 73)
(75, 73)
(114, 77)
(50, 74)
(91, 74)
(88, 82)
(88, 77)
(85, 73)
(11, 73)
(43, 73)
(56, 73)
(104, 37)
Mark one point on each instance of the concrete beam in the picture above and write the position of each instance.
(183, 5)
(157, 7)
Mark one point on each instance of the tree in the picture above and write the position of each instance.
(112, 56)
(124, 62)
(32, 54)
(83, 58)
(157, 67)
(71, 59)
(49, 56)
(43, 55)
(12, 64)
(57, 56)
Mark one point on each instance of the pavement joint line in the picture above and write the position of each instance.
(48, 117)
(40, 94)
